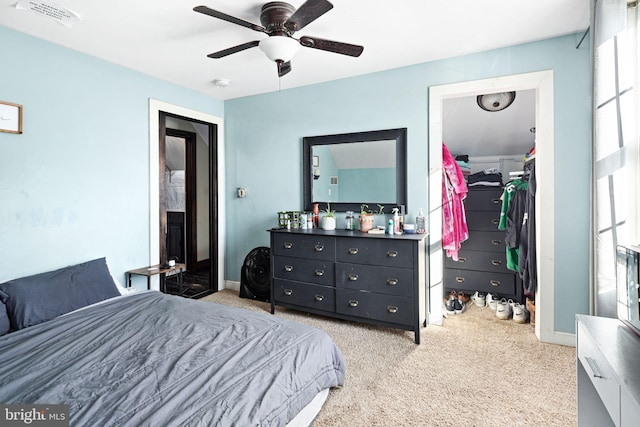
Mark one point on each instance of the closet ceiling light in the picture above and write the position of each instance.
(496, 101)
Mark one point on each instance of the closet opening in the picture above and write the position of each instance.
(538, 87)
(489, 155)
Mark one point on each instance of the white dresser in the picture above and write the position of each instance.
(608, 373)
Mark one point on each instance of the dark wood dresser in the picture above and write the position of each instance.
(351, 275)
(482, 264)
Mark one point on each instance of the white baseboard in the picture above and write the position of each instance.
(231, 284)
(564, 338)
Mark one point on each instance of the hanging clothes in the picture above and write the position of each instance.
(511, 218)
(528, 252)
(454, 191)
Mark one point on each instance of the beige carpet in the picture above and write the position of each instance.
(475, 370)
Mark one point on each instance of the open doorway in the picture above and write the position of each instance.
(542, 84)
(489, 146)
(185, 211)
(196, 222)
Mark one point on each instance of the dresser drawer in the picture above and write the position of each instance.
(500, 283)
(371, 251)
(479, 260)
(386, 280)
(304, 246)
(304, 270)
(483, 220)
(304, 294)
(484, 200)
(490, 241)
(387, 308)
(600, 373)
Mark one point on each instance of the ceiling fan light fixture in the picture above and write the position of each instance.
(279, 48)
(496, 101)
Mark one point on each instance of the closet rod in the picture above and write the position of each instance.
(500, 159)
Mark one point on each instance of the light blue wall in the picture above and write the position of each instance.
(264, 146)
(75, 185)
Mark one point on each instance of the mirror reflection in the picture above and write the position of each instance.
(348, 170)
(352, 172)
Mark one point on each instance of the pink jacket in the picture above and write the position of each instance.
(454, 191)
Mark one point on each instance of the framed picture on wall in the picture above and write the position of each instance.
(10, 117)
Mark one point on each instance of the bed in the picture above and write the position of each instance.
(150, 359)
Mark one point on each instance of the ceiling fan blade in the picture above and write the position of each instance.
(331, 46)
(229, 18)
(308, 12)
(283, 67)
(234, 49)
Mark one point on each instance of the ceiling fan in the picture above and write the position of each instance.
(280, 21)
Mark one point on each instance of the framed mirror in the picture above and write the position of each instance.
(351, 169)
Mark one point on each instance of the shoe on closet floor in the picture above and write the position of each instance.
(519, 313)
(479, 299)
(463, 298)
(503, 311)
(450, 304)
(492, 301)
(459, 306)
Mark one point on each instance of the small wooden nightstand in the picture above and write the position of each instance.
(152, 270)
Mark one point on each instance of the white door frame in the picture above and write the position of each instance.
(155, 107)
(542, 83)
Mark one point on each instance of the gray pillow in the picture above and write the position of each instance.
(41, 297)
(5, 326)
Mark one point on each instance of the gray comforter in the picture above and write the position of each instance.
(155, 360)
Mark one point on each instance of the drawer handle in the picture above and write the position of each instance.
(288, 268)
(495, 282)
(496, 201)
(319, 272)
(496, 262)
(392, 254)
(392, 282)
(391, 309)
(595, 372)
(287, 245)
(496, 242)
(319, 248)
(462, 259)
(319, 298)
(288, 292)
(495, 221)
(353, 251)
(353, 277)
(353, 303)
(460, 279)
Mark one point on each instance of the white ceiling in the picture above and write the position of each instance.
(468, 129)
(168, 40)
